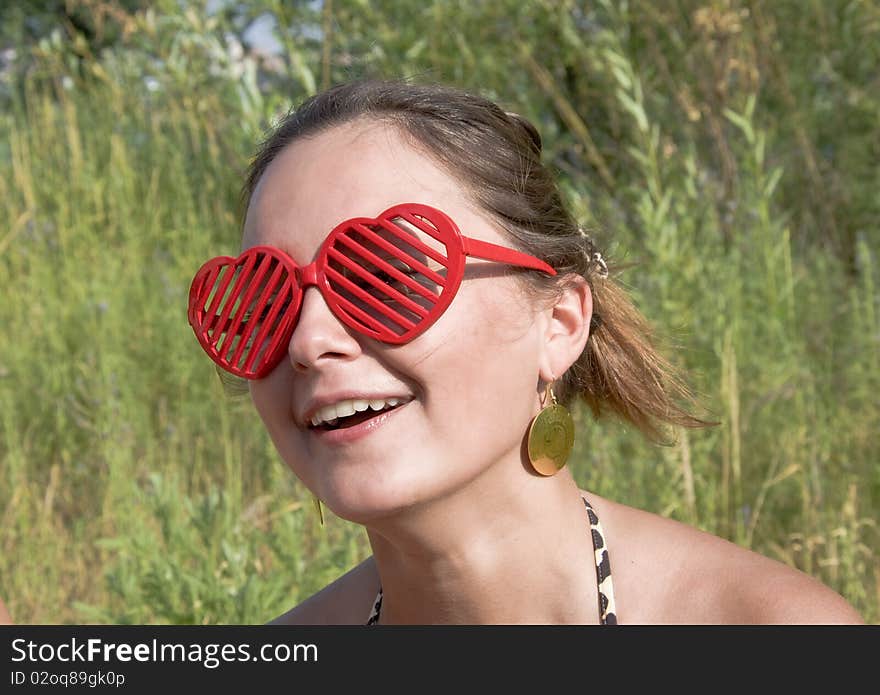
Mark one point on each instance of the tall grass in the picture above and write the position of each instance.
(133, 490)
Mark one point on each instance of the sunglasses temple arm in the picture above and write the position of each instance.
(492, 252)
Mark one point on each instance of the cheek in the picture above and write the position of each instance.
(499, 330)
(271, 398)
(484, 365)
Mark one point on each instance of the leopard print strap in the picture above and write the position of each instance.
(607, 610)
(377, 609)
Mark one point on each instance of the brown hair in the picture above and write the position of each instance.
(497, 156)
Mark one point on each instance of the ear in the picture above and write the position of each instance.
(567, 328)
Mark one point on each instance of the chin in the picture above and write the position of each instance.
(363, 510)
(365, 498)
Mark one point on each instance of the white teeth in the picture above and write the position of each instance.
(330, 414)
(345, 409)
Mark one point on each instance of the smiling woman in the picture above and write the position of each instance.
(414, 308)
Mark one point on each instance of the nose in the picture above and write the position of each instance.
(319, 335)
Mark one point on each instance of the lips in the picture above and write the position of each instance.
(352, 420)
(356, 427)
(332, 413)
(331, 408)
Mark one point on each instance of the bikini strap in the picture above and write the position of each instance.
(607, 610)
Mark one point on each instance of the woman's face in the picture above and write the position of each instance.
(466, 387)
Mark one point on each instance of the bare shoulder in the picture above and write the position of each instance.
(668, 572)
(346, 601)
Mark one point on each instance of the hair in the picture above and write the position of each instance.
(496, 155)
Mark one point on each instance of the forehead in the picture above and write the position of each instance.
(353, 170)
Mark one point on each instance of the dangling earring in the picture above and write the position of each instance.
(551, 436)
(318, 508)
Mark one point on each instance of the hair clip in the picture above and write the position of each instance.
(597, 259)
(587, 237)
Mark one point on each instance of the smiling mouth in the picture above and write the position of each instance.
(347, 421)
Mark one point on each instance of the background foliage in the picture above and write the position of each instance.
(727, 149)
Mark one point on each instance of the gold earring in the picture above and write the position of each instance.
(318, 508)
(551, 436)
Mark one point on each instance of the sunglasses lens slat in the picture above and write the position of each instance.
(377, 304)
(231, 302)
(377, 286)
(395, 251)
(198, 308)
(374, 261)
(258, 302)
(271, 351)
(426, 243)
(394, 271)
(383, 291)
(278, 323)
(237, 320)
(370, 320)
(220, 286)
(247, 318)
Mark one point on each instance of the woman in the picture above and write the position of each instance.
(413, 309)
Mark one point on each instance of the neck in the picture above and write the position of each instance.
(507, 549)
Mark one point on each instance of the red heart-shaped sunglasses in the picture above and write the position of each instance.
(388, 277)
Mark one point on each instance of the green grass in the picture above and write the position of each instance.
(133, 490)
